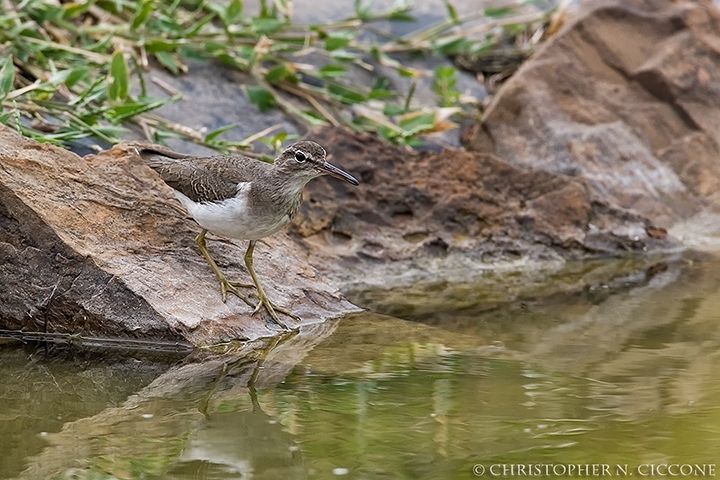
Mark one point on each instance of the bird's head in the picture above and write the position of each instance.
(306, 160)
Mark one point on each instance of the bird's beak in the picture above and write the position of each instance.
(333, 171)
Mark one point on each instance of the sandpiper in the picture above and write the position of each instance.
(243, 198)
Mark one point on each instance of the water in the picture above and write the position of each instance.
(622, 375)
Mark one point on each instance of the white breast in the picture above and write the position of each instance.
(232, 217)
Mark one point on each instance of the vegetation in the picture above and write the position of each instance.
(80, 69)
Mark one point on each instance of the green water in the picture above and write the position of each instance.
(623, 375)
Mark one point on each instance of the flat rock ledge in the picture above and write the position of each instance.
(99, 247)
(419, 216)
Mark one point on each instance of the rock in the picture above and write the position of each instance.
(623, 98)
(434, 213)
(98, 246)
(601, 144)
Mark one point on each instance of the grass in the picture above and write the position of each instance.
(79, 70)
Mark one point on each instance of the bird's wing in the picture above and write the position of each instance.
(202, 179)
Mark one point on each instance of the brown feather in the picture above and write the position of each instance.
(203, 179)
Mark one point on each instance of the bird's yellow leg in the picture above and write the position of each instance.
(225, 285)
(264, 300)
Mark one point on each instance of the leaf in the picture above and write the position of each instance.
(264, 10)
(362, 11)
(95, 92)
(261, 98)
(216, 133)
(416, 122)
(45, 12)
(453, 44)
(338, 39)
(266, 25)
(313, 118)
(392, 110)
(167, 61)
(515, 28)
(278, 73)
(59, 78)
(111, 130)
(444, 81)
(120, 113)
(74, 9)
(118, 78)
(383, 59)
(194, 29)
(77, 74)
(161, 45)
(343, 55)
(233, 11)
(452, 12)
(388, 134)
(7, 78)
(401, 16)
(142, 14)
(26, 29)
(381, 89)
(212, 46)
(496, 12)
(232, 61)
(345, 95)
(280, 136)
(114, 6)
(191, 53)
(215, 8)
(331, 71)
(160, 135)
(444, 72)
(408, 72)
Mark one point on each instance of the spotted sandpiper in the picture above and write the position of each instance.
(243, 198)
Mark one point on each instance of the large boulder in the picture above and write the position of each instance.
(625, 97)
(99, 246)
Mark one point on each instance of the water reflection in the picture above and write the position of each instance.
(239, 445)
(44, 389)
(629, 376)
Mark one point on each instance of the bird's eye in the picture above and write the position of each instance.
(300, 157)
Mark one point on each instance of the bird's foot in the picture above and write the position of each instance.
(228, 286)
(273, 310)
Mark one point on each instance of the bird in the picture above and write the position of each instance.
(242, 198)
